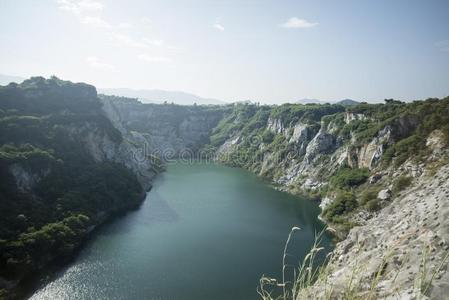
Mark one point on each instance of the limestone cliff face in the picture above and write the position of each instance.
(167, 131)
(368, 155)
(314, 154)
(126, 152)
(350, 116)
(276, 126)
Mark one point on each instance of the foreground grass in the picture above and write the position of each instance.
(314, 280)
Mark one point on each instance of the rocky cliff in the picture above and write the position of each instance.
(167, 131)
(304, 149)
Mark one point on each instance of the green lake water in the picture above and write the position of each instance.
(205, 231)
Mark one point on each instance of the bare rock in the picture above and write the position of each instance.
(384, 194)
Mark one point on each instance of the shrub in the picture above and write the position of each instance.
(401, 183)
(267, 136)
(347, 177)
(373, 205)
(369, 194)
(345, 202)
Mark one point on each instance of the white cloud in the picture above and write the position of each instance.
(443, 45)
(126, 40)
(143, 43)
(154, 59)
(95, 22)
(94, 62)
(298, 23)
(219, 27)
(125, 25)
(157, 43)
(90, 5)
(146, 22)
(86, 11)
(79, 6)
(83, 10)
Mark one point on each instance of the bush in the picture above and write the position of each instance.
(344, 203)
(401, 183)
(267, 136)
(347, 177)
(373, 205)
(369, 194)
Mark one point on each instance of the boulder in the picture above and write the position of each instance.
(384, 194)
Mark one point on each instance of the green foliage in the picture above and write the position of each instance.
(26, 154)
(410, 125)
(401, 183)
(344, 203)
(402, 150)
(373, 205)
(369, 194)
(348, 178)
(267, 136)
(34, 248)
(368, 198)
(309, 113)
(43, 124)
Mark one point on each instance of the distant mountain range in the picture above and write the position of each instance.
(345, 102)
(146, 96)
(310, 101)
(160, 96)
(6, 79)
(178, 97)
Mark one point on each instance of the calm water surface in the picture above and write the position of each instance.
(205, 231)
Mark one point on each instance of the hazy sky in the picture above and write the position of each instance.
(271, 51)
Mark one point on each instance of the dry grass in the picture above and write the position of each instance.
(313, 281)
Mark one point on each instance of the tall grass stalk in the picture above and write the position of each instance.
(360, 284)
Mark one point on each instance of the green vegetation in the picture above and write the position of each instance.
(52, 189)
(348, 178)
(33, 249)
(401, 183)
(309, 113)
(344, 203)
(410, 125)
(368, 198)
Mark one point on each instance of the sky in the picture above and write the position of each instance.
(267, 51)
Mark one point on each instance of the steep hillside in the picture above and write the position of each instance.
(343, 155)
(65, 169)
